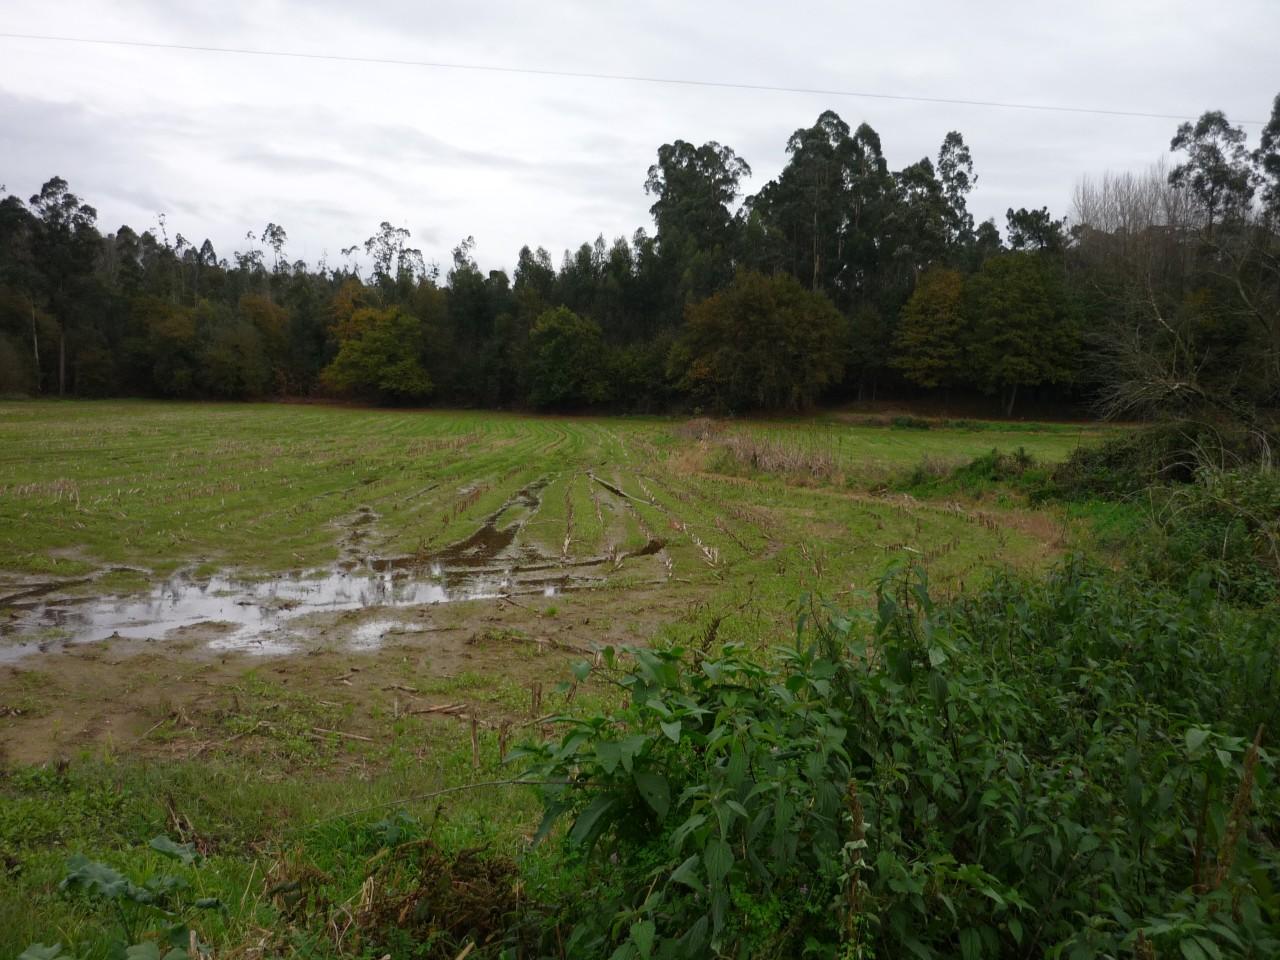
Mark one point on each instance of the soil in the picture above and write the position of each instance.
(370, 636)
(367, 664)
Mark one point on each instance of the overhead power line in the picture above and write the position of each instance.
(617, 77)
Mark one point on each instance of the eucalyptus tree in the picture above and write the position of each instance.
(920, 227)
(65, 246)
(20, 278)
(1216, 169)
(1266, 160)
(955, 173)
(803, 213)
(694, 189)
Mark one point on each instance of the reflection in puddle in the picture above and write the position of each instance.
(261, 616)
(256, 616)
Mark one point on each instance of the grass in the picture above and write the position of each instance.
(253, 758)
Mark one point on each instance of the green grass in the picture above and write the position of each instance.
(867, 453)
(127, 491)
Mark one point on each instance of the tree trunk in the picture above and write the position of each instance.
(62, 360)
(35, 343)
(1013, 395)
(815, 250)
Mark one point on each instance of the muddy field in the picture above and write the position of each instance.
(157, 561)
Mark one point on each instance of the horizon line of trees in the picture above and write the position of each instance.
(840, 278)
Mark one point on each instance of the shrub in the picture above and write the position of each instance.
(1018, 469)
(1065, 769)
(1163, 453)
(1225, 529)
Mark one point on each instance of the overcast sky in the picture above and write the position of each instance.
(223, 144)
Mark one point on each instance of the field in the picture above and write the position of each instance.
(229, 622)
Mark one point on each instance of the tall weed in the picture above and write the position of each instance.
(1064, 768)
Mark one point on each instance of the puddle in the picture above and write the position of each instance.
(370, 636)
(258, 616)
(229, 613)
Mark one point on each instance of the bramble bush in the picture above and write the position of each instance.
(1066, 768)
(1225, 526)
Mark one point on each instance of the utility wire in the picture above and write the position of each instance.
(585, 75)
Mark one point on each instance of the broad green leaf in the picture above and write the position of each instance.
(682, 832)
(585, 827)
(630, 748)
(642, 934)
(653, 787)
(38, 951)
(549, 817)
(687, 874)
(737, 769)
(658, 707)
(178, 851)
(1015, 928)
(1196, 737)
(608, 755)
(96, 878)
(671, 728)
(719, 859)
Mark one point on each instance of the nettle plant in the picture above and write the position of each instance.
(1051, 769)
(717, 798)
(162, 899)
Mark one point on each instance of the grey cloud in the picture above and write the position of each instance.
(224, 143)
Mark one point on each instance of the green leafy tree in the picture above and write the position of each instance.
(566, 361)
(764, 343)
(931, 339)
(380, 356)
(1267, 160)
(1216, 169)
(803, 212)
(693, 189)
(170, 346)
(955, 172)
(870, 202)
(65, 247)
(1035, 230)
(233, 365)
(270, 322)
(922, 219)
(1023, 328)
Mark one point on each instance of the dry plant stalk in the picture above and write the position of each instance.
(857, 834)
(1239, 815)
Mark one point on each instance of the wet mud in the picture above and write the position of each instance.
(274, 616)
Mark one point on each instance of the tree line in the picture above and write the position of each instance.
(838, 279)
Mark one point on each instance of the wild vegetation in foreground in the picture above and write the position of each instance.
(1061, 759)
